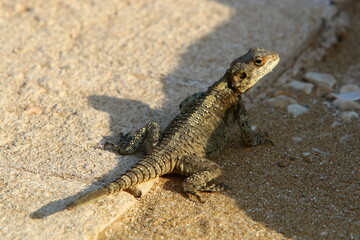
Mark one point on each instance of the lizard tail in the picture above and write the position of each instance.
(89, 197)
(137, 174)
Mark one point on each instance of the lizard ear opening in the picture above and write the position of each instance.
(242, 75)
(238, 79)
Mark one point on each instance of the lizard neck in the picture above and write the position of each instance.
(222, 89)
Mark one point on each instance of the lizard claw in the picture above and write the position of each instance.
(108, 145)
(269, 141)
(215, 187)
(196, 195)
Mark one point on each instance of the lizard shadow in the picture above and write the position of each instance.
(121, 111)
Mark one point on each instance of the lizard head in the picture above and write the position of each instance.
(246, 70)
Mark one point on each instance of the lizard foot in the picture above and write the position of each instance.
(124, 140)
(196, 195)
(215, 187)
(261, 138)
(108, 145)
(135, 191)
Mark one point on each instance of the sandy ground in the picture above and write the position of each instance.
(277, 193)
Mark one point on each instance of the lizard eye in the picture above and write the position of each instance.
(258, 61)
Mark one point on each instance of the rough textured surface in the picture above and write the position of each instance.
(70, 76)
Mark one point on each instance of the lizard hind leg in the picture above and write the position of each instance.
(148, 135)
(200, 172)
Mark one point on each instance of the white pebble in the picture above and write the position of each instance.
(327, 104)
(281, 101)
(324, 82)
(319, 151)
(301, 86)
(296, 109)
(350, 96)
(305, 154)
(320, 78)
(349, 88)
(346, 105)
(297, 139)
(348, 116)
(335, 124)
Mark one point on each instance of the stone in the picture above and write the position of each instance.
(297, 139)
(349, 88)
(324, 82)
(346, 105)
(349, 96)
(320, 79)
(297, 109)
(280, 101)
(349, 116)
(336, 124)
(300, 86)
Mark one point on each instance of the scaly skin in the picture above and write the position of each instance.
(199, 132)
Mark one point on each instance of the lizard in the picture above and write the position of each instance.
(196, 135)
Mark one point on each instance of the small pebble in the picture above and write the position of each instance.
(349, 88)
(346, 105)
(282, 92)
(297, 139)
(301, 86)
(319, 151)
(296, 109)
(335, 124)
(349, 96)
(348, 116)
(320, 78)
(281, 101)
(34, 111)
(327, 104)
(20, 8)
(324, 82)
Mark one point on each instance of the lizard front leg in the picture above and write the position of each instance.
(248, 136)
(200, 172)
(148, 135)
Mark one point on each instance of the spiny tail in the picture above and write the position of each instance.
(143, 171)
